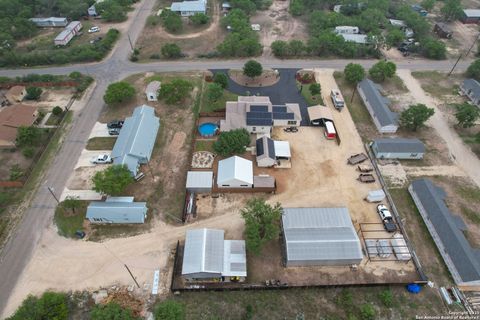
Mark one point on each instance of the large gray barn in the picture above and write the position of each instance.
(398, 148)
(320, 236)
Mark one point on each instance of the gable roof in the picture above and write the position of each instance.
(282, 148)
(357, 38)
(199, 179)
(117, 210)
(399, 145)
(265, 148)
(16, 90)
(473, 86)
(137, 137)
(235, 168)
(378, 103)
(13, 117)
(319, 112)
(463, 261)
(192, 6)
(203, 251)
(472, 13)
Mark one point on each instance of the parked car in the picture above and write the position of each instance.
(114, 131)
(80, 234)
(115, 124)
(337, 99)
(101, 159)
(94, 29)
(387, 218)
(97, 39)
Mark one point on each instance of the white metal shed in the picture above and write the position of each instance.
(199, 181)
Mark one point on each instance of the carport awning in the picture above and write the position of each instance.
(282, 149)
(319, 113)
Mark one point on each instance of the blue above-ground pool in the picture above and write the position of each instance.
(207, 129)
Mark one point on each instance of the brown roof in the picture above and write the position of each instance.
(13, 117)
(16, 90)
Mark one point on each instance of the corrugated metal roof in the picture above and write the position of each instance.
(189, 6)
(199, 179)
(395, 145)
(235, 168)
(203, 251)
(235, 259)
(474, 86)
(378, 103)
(117, 211)
(472, 13)
(357, 38)
(62, 35)
(282, 149)
(465, 259)
(320, 234)
(137, 138)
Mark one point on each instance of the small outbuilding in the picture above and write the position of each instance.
(398, 148)
(319, 114)
(16, 94)
(443, 30)
(471, 89)
(470, 16)
(199, 181)
(235, 172)
(152, 90)
(320, 236)
(117, 210)
(270, 152)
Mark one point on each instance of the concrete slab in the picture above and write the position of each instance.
(99, 130)
(80, 194)
(86, 155)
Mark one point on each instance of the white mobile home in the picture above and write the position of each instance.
(398, 148)
(346, 29)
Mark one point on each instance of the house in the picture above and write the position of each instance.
(189, 8)
(447, 231)
(385, 120)
(470, 16)
(67, 34)
(16, 94)
(318, 115)
(199, 181)
(235, 172)
(443, 30)
(471, 88)
(398, 148)
(75, 27)
(270, 152)
(258, 115)
(319, 236)
(152, 90)
(136, 140)
(13, 117)
(208, 257)
(50, 22)
(357, 38)
(117, 210)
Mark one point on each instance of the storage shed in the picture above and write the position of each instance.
(152, 90)
(320, 236)
(235, 172)
(471, 88)
(398, 148)
(117, 210)
(265, 149)
(319, 114)
(442, 30)
(470, 16)
(199, 181)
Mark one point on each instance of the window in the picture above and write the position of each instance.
(244, 185)
(254, 128)
(225, 185)
(292, 122)
(413, 154)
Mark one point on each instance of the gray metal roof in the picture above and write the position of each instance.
(472, 13)
(399, 145)
(235, 259)
(137, 137)
(62, 35)
(117, 212)
(473, 86)
(320, 234)
(448, 228)
(378, 103)
(203, 251)
(199, 179)
(189, 6)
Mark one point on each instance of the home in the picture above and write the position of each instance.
(16, 94)
(235, 172)
(117, 210)
(471, 88)
(152, 90)
(271, 153)
(398, 148)
(470, 16)
(12, 118)
(136, 140)
(385, 120)
(49, 22)
(208, 257)
(346, 29)
(258, 115)
(443, 30)
(64, 37)
(189, 8)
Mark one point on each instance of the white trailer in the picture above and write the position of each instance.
(375, 196)
(347, 30)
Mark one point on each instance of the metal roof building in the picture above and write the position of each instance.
(207, 255)
(319, 114)
(320, 236)
(235, 172)
(384, 119)
(117, 210)
(446, 229)
(50, 22)
(471, 88)
(199, 181)
(136, 140)
(398, 148)
(189, 8)
(357, 38)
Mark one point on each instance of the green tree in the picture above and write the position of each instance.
(382, 70)
(16, 172)
(75, 75)
(415, 116)
(296, 47)
(113, 180)
(252, 69)
(27, 136)
(452, 9)
(261, 223)
(280, 48)
(394, 37)
(169, 310)
(428, 4)
(111, 11)
(296, 8)
(354, 73)
(57, 111)
(28, 152)
(172, 21)
(222, 79)
(315, 89)
(467, 114)
(33, 93)
(246, 6)
(232, 142)
(118, 92)
(71, 203)
(175, 91)
(473, 71)
(51, 305)
(171, 51)
(199, 18)
(434, 49)
(214, 92)
(111, 311)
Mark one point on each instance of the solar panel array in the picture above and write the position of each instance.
(259, 118)
(277, 109)
(283, 116)
(260, 150)
(258, 108)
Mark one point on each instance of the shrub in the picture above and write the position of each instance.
(252, 69)
(111, 311)
(171, 21)
(367, 312)
(473, 71)
(33, 93)
(27, 136)
(57, 111)
(15, 173)
(169, 310)
(28, 152)
(75, 75)
(386, 297)
(214, 92)
(199, 18)
(51, 305)
(113, 180)
(153, 20)
(118, 92)
(171, 51)
(175, 91)
(155, 56)
(315, 89)
(221, 78)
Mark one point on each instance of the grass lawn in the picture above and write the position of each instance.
(438, 84)
(394, 85)
(53, 120)
(311, 100)
(68, 221)
(204, 145)
(101, 143)
(207, 106)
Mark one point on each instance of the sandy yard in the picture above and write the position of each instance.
(51, 98)
(464, 36)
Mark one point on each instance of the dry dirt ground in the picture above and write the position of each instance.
(464, 36)
(276, 23)
(51, 98)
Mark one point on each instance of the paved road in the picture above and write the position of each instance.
(40, 214)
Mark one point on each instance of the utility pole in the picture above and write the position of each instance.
(53, 194)
(130, 40)
(131, 275)
(453, 68)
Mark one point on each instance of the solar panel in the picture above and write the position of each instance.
(257, 108)
(259, 115)
(271, 148)
(260, 150)
(259, 122)
(277, 109)
(284, 116)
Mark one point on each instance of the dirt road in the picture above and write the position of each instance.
(459, 152)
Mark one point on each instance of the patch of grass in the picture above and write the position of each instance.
(394, 85)
(437, 83)
(311, 100)
(53, 120)
(207, 106)
(68, 221)
(471, 215)
(101, 143)
(204, 145)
